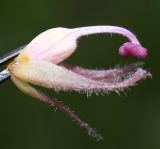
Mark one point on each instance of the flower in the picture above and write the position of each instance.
(40, 63)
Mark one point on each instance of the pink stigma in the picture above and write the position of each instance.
(130, 49)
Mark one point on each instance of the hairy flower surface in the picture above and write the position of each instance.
(40, 63)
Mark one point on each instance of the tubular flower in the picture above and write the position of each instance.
(40, 63)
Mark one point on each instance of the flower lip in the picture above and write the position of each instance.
(129, 49)
(57, 44)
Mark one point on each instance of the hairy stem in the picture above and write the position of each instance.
(28, 89)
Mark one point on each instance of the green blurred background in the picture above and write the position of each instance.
(126, 122)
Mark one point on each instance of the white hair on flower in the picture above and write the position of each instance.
(40, 63)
